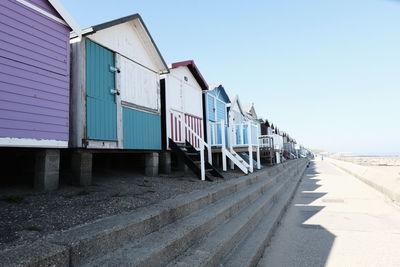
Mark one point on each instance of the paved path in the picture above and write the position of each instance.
(336, 220)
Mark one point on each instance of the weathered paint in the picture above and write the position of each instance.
(101, 109)
(128, 39)
(142, 130)
(34, 73)
(139, 85)
(107, 120)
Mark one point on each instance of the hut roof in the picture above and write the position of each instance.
(220, 88)
(143, 28)
(236, 101)
(66, 18)
(194, 70)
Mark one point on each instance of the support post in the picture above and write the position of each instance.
(241, 134)
(250, 146)
(230, 130)
(81, 164)
(258, 158)
(165, 162)
(202, 161)
(223, 137)
(47, 166)
(151, 164)
(258, 146)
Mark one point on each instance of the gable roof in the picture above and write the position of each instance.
(122, 20)
(236, 101)
(221, 89)
(66, 17)
(194, 70)
(250, 110)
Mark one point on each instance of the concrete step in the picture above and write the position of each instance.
(82, 244)
(166, 243)
(214, 247)
(250, 250)
(99, 237)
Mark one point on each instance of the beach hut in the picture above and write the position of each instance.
(250, 111)
(182, 113)
(34, 82)
(116, 103)
(266, 128)
(251, 114)
(267, 143)
(243, 134)
(237, 121)
(227, 130)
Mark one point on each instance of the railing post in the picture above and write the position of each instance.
(250, 146)
(209, 132)
(223, 145)
(202, 165)
(258, 134)
(241, 134)
(230, 133)
(209, 152)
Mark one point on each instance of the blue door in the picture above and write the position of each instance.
(101, 108)
(211, 111)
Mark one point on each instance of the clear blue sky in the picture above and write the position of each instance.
(327, 72)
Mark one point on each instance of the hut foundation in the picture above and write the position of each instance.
(165, 162)
(47, 166)
(81, 164)
(151, 164)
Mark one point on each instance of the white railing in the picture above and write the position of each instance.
(202, 144)
(215, 133)
(243, 134)
(266, 141)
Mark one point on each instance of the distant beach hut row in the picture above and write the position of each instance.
(108, 89)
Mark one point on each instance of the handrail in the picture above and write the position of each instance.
(202, 145)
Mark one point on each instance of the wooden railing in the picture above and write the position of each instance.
(190, 130)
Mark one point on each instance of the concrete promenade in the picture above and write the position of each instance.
(336, 220)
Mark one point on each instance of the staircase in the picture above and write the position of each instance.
(228, 224)
(246, 158)
(236, 160)
(232, 229)
(191, 157)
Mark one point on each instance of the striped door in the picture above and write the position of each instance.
(101, 108)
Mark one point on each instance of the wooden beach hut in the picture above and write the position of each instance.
(226, 133)
(243, 135)
(183, 120)
(116, 102)
(34, 82)
(267, 144)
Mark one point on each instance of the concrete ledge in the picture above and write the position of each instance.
(250, 250)
(39, 253)
(77, 245)
(95, 238)
(378, 180)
